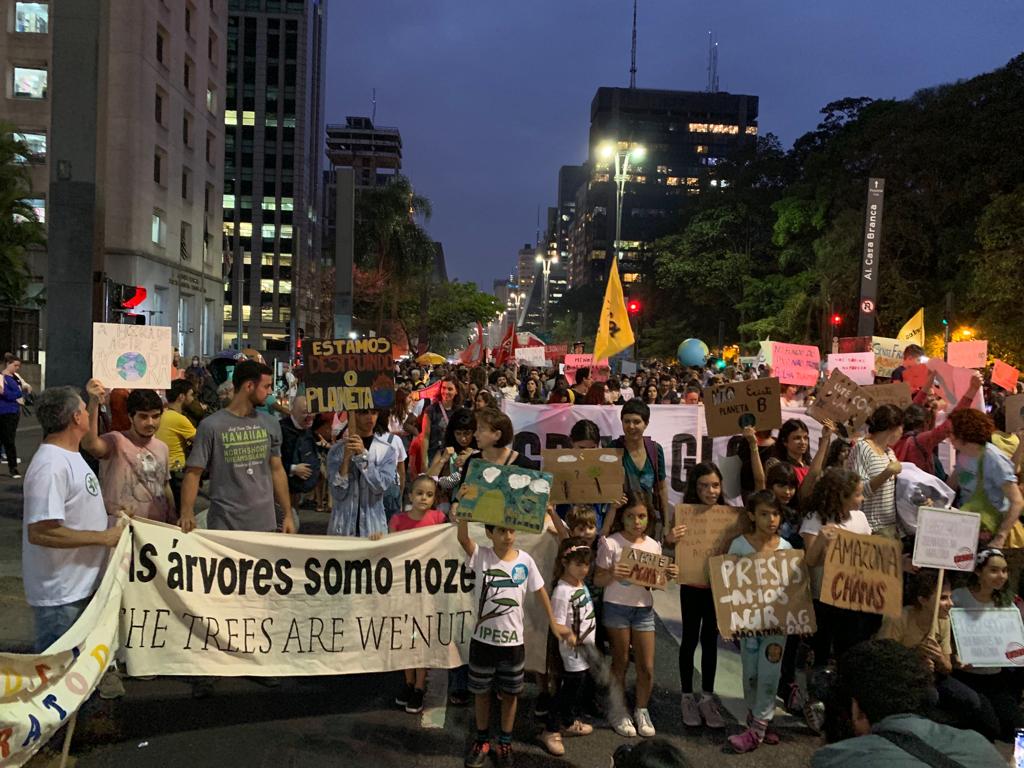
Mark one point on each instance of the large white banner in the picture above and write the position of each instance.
(229, 603)
(42, 691)
(679, 429)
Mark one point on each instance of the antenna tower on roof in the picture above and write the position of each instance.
(632, 60)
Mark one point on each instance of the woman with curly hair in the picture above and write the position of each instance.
(985, 478)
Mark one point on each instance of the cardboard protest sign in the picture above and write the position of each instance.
(859, 366)
(504, 495)
(946, 538)
(1014, 413)
(132, 356)
(1005, 376)
(349, 374)
(646, 568)
(864, 573)
(762, 594)
(533, 356)
(729, 408)
(796, 363)
(849, 344)
(897, 393)
(585, 475)
(709, 532)
(843, 401)
(967, 354)
(888, 355)
(599, 371)
(988, 637)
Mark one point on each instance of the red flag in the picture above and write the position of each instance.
(507, 349)
(473, 354)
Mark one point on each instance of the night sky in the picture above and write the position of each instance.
(492, 97)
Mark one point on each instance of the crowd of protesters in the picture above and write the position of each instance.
(260, 457)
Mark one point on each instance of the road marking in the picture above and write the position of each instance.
(435, 702)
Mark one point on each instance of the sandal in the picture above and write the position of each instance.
(552, 742)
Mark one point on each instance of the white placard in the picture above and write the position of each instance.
(946, 538)
(859, 366)
(531, 356)
(988, 637)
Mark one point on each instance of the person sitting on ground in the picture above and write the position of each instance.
(875, 715)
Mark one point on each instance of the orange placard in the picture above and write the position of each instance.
(967, 354)
(1005, 376)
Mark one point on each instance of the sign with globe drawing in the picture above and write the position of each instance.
(132, 356)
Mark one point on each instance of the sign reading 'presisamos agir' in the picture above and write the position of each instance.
(349, 375)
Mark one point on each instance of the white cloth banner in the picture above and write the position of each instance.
(42, 691)
(679, 429)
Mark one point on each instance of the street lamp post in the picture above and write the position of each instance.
(622, 159)
(546, 262)
(517, 299)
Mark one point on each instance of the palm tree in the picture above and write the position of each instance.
(19, 226)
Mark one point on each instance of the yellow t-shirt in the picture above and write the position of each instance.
(907, 632)
(175, 430)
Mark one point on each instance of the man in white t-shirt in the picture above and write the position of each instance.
(65, 535)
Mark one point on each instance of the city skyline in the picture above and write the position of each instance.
(506, 114)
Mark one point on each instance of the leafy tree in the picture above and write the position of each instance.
(19, 227)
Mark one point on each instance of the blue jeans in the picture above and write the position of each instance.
(52, 621)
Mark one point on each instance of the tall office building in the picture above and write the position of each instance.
(685, 134)
(273, 170)
(570, 178)
(159, 85)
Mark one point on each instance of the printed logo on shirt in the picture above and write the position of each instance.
(92, 484)
(247, 445)
(519, 574)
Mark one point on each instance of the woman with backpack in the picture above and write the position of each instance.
(643, 460)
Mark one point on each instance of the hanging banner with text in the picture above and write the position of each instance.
(864, 573)
(870, 271)
(42, 691)
(762, 594)
(349, 374)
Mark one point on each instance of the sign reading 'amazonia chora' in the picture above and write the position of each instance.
(864, 573)
(349, 375)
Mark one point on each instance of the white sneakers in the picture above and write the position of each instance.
(644, 726)
(624, 728)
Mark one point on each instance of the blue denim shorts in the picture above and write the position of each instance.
(628, 617)
(52, 621)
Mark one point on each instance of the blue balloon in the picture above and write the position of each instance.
(692, 352)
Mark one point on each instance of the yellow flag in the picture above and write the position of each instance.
(913, 331)
(614, 332)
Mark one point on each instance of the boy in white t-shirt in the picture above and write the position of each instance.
(497, 656)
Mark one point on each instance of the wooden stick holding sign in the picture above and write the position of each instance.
(647, 569)
(946, 538)
(762, 594)
(842, 400)
(864, 573)
(585, 475)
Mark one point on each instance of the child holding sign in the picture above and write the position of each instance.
(629, 609)
(760, 655)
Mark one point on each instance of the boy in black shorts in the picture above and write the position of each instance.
(497, 656)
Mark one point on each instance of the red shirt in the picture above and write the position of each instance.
(403, 522)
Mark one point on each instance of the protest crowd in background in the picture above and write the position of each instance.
(877, 684)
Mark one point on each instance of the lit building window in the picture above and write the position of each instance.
(245, 229)
(284, 286)
(285, 313)
(662, 169)
(722, 128)
(672, 181)
(692, 181)
(33, 18)
(29, 83)
(229, 201)
(270, 121)
(268, 232)
(284, 259)
(269, 204)
(211, 98)
(231, 117)
(287, 204)
(227, 312)
(248, 117)
(702, 149)
(286, 230)
(267, 314)
(698, 127)
(36, 144)
(158, 228)
(751, 130)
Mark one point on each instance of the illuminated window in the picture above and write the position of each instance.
(211, 98)
(35, 144)
(287, 204)
(247, 257)
(662, 169)
(751, 130)
(32, 18)
(702, 149)
(248, 117)
(270, 121)
(246, 311)
(284, 286)
(284, 259)
(269, 204)
(29, 83)
(672, 181)
(268, 231)
(285, 314)
(231, 117)
(286, 230)
(692, 181)
(245, 229)
(698, 127)
(600, 177)
(158, 228)
(722, 128)
(267, 313)
(227, 314)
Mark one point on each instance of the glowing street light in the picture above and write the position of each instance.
(635, 153)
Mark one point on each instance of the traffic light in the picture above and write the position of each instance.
(131, 296)
(633, 307)
(122, 300)
(837, 319)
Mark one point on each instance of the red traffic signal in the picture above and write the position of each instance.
(837, 319)
(633, 307)
(132, 296)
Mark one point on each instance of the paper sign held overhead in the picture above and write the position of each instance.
(132, 356)
(946, 538)
(954, 382)
(859, 366)
(795, 363)
(843, 401)
(864, 573)
(532, 356)
(504, 495)
(888, 355)
(729, 408)
(762, 594)
(897, 393)
(988, 637)
(646, 568)
(967, 354)
(598, 371)
(349, 374)
(585, 476)
(709, 532)
(1005, 376)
